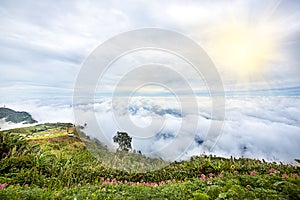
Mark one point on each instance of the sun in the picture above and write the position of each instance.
(242, 48)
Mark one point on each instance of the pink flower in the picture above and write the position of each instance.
(272, 170)
(295, 175)
(235, 172)
(147, 184)
(221, 175)
(3, 185)
(253, 173)
(169, 181)
(161, 183)
(102, 179)
(202, 177)
(132, 183)
(26, 185)
(153, 184)
(285, 176)
(211, 175)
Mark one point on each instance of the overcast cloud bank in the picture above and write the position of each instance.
(256, 127)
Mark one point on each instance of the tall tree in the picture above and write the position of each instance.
(124, 141)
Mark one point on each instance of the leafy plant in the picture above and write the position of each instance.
(124, 141)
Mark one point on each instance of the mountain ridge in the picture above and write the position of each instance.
(10, 115)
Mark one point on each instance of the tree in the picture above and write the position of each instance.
(124, 141)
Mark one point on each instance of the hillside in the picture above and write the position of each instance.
(56, 161)
(12, 116)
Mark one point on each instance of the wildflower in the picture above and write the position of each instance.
(235, 172)
(153, 184)
(253, 173)
(161, 183)
(221, 175)
(285, 176)
(209, 182)
(102, 179)
(202, 177)
(211, 175)
(26, 185)
(272, 170)
(3, 185)
(232, 167)
(248, 187)
(295, 175)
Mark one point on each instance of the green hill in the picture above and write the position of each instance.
(10, 115)
(57, 161)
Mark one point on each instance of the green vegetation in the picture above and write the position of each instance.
(51, 161)
(124, 141)
(16, 117)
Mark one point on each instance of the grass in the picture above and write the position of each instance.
(56, 166)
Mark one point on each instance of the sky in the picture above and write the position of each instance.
(44, 44)
(253, 45)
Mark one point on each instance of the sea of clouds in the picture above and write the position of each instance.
(256, 127)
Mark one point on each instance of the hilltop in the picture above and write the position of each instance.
(9, 115)
(57, 161)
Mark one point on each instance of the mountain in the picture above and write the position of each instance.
(9, 115)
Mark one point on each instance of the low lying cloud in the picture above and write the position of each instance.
(257, 127)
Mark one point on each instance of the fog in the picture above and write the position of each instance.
(256, 127)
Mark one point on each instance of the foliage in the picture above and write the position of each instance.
(124, 141)
(63, 168)
(12, 144)
(16, 117)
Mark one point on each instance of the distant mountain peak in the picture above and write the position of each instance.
(9, 115)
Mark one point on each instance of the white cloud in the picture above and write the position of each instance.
(257, 127)
(43, 45)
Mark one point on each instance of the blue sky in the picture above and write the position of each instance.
(44, 44)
